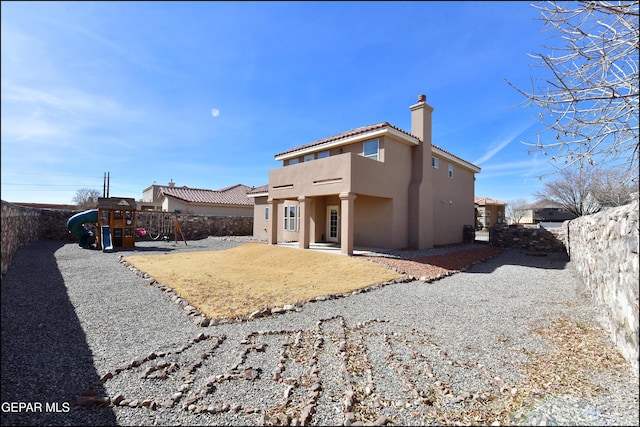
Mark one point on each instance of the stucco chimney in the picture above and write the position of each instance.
(420, 209)
(171, 183)
(421, 119)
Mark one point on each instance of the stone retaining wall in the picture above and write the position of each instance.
(20, 226)
(604, 251)
(529, 239)
(201, 226)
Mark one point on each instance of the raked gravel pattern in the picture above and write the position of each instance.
(85, 341)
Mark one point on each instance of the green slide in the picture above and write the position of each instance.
(75, 224)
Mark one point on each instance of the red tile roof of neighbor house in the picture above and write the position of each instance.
(233, 195)
(358, 131)
(487, 201)
(259, 190)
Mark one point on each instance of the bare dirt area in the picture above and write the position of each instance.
(431, 267)
(238, 281)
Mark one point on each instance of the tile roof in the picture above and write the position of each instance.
(233, 195)
(487, 201)
(359, 131)
(258, 190)
(347, 134)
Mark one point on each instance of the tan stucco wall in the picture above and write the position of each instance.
(260, 224)
(374, 223)
(453, 202)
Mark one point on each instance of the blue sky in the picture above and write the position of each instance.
(206, 93)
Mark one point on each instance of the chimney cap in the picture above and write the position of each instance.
(422, 98)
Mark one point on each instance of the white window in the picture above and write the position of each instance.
(291, 218)
(371, 149)
(435, 162)
(309, 157)
(450, 170)
(323, 154)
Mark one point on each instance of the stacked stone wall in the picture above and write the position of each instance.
(196, 227)
(604, 251)
(529, 239)
(20, 226)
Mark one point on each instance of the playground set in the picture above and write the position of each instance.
(117, 222)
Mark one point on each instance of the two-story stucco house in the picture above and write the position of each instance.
(374, 186)
(489, 212)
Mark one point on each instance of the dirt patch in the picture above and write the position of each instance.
(238, 281)
(431, 267)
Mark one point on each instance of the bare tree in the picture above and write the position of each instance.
(86, 198)
(516, 210)
(588, 99)
(572, 191)
(613, 187)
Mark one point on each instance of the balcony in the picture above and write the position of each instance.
(343, 173)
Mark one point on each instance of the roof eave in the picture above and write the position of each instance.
(440, 152)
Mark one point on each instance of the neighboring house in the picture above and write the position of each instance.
(544, 212)
(151, 200)
(229, 201)
(489, 212)
(374, 186)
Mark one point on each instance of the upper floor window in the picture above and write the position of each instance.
(481, 211)
(309, 157)
(294, 161)
(266, 213)
(435, 162)
(450, 170)
(323, 154)
(371, 149)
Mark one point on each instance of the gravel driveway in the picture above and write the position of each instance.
(85, 341)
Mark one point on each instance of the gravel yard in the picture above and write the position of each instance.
(512, 340)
